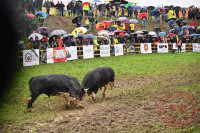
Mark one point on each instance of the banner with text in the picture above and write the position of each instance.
(31, 57)
(71, 53)
(104, 50)
(59, 54)
(118, 49)
(145, 48)
(162, 47)
(196, 47)
(88, 52)
(130, 48)
(50, 55)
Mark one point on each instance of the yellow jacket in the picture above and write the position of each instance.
(132, 26)
(86, 7)
(123, 27)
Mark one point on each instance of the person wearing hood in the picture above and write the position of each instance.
(171, 13)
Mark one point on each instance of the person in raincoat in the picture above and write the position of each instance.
(144, 19)
(171, 13)
(54, 43)
(92, 21)
(30, 44)
(86, 9)
(60, 41)
(36, 43)
(87, 22)
(132, 27)
(122, 26)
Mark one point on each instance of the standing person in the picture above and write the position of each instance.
(60, 41)
(122, 11)
(171, 13)
(61, 8)
(48, 6)
(69, 9)
(113, 10)
(117, 9)
(130, 11)
(144, 19)
(136, 13)
(92, 21)
(179, 44)
(57, 6)
(87, 22)
(177, 12)
(132, 28)
(183, 12)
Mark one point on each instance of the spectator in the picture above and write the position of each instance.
(190, 14)
(69, 9)
(177, 12)
(36, 43)
(130, 11)
(61, 8)
(43, 45)
(60, 42)
(122, 11)
(30, 44)
(171, 13)
(144, 19)
(132, 28)
(48, 6)
(54, 43)
(117, 9)
(136, 13)
(183, 12)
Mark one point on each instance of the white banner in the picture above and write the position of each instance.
(162, 47)
(71, 53)
(196, 47)
(88, 52)
(145, 48)
(50, 55)
(31, 57)
(104, 50)
(118, 49)
(175, 47)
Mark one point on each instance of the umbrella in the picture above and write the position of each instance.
(42, 13)
(194, 35)
(177, 7)
(41, 29)
(89, 36)
(171, 19)
(134, 21)
(119, 31)
(145, 31)
(103, 33)
(129, 4)
(194, 23)
(152, 33)
(150, 8)
(156, 13)
(186, 27)
(166, 6)
(111, 33)
(123, 19)
(139, 35)
(122, 5)
(144, 7)
(156, 8)
(30, 15)
(81, 35)
(139, 32)
(198, 28)
(143, 15)
(107, 23)
(103, 37)
(191, 6)
(126, 35)
(58, 32)
(162, 34)
(171, 6)
(100, 26)
(171, 31)
(179, 20)
(171, 34)
(79, 30)
(170, 22)
(185, 22)
(75, 19)
(87, 3)
(177, 28)
(66, 36)
(35, 35)
(118, 22)
(137, 7)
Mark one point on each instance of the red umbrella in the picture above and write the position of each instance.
(119, 31)
(142, 15)
(100, 26)
(194, 23)
(88, 3)
(30, 15)
(171, 34)
(107, 23)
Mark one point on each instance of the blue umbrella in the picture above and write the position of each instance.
(43, 14)
(156, 8)
(170, 22)
(194, 35)
(134, 21)
(156, 13)
(137, 7)
(89, 36)
(96, 1)
(186, 27)
(177, 28)
(162, 34)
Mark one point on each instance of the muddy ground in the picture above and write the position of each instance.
(133, 108)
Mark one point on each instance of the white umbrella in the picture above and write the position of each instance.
(67, 35)
(34, 35)
(152, 33)
(139, 32)
(58, 32)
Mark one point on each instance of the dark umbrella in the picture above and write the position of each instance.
(171, 6)
(166, 6)
(191, 6)
(145, 31)
(75, 19)
(156, 8)
(150, 8)
(137, 7)
(41, 29)
(171, 31)
(170, 22)
(81, 35)
(179, 20)
(184, 22)
(171, 19)
(126, 35)
(177, 8)
(176, 28)
(156, 13)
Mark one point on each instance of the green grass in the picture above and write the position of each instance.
(13, 110)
